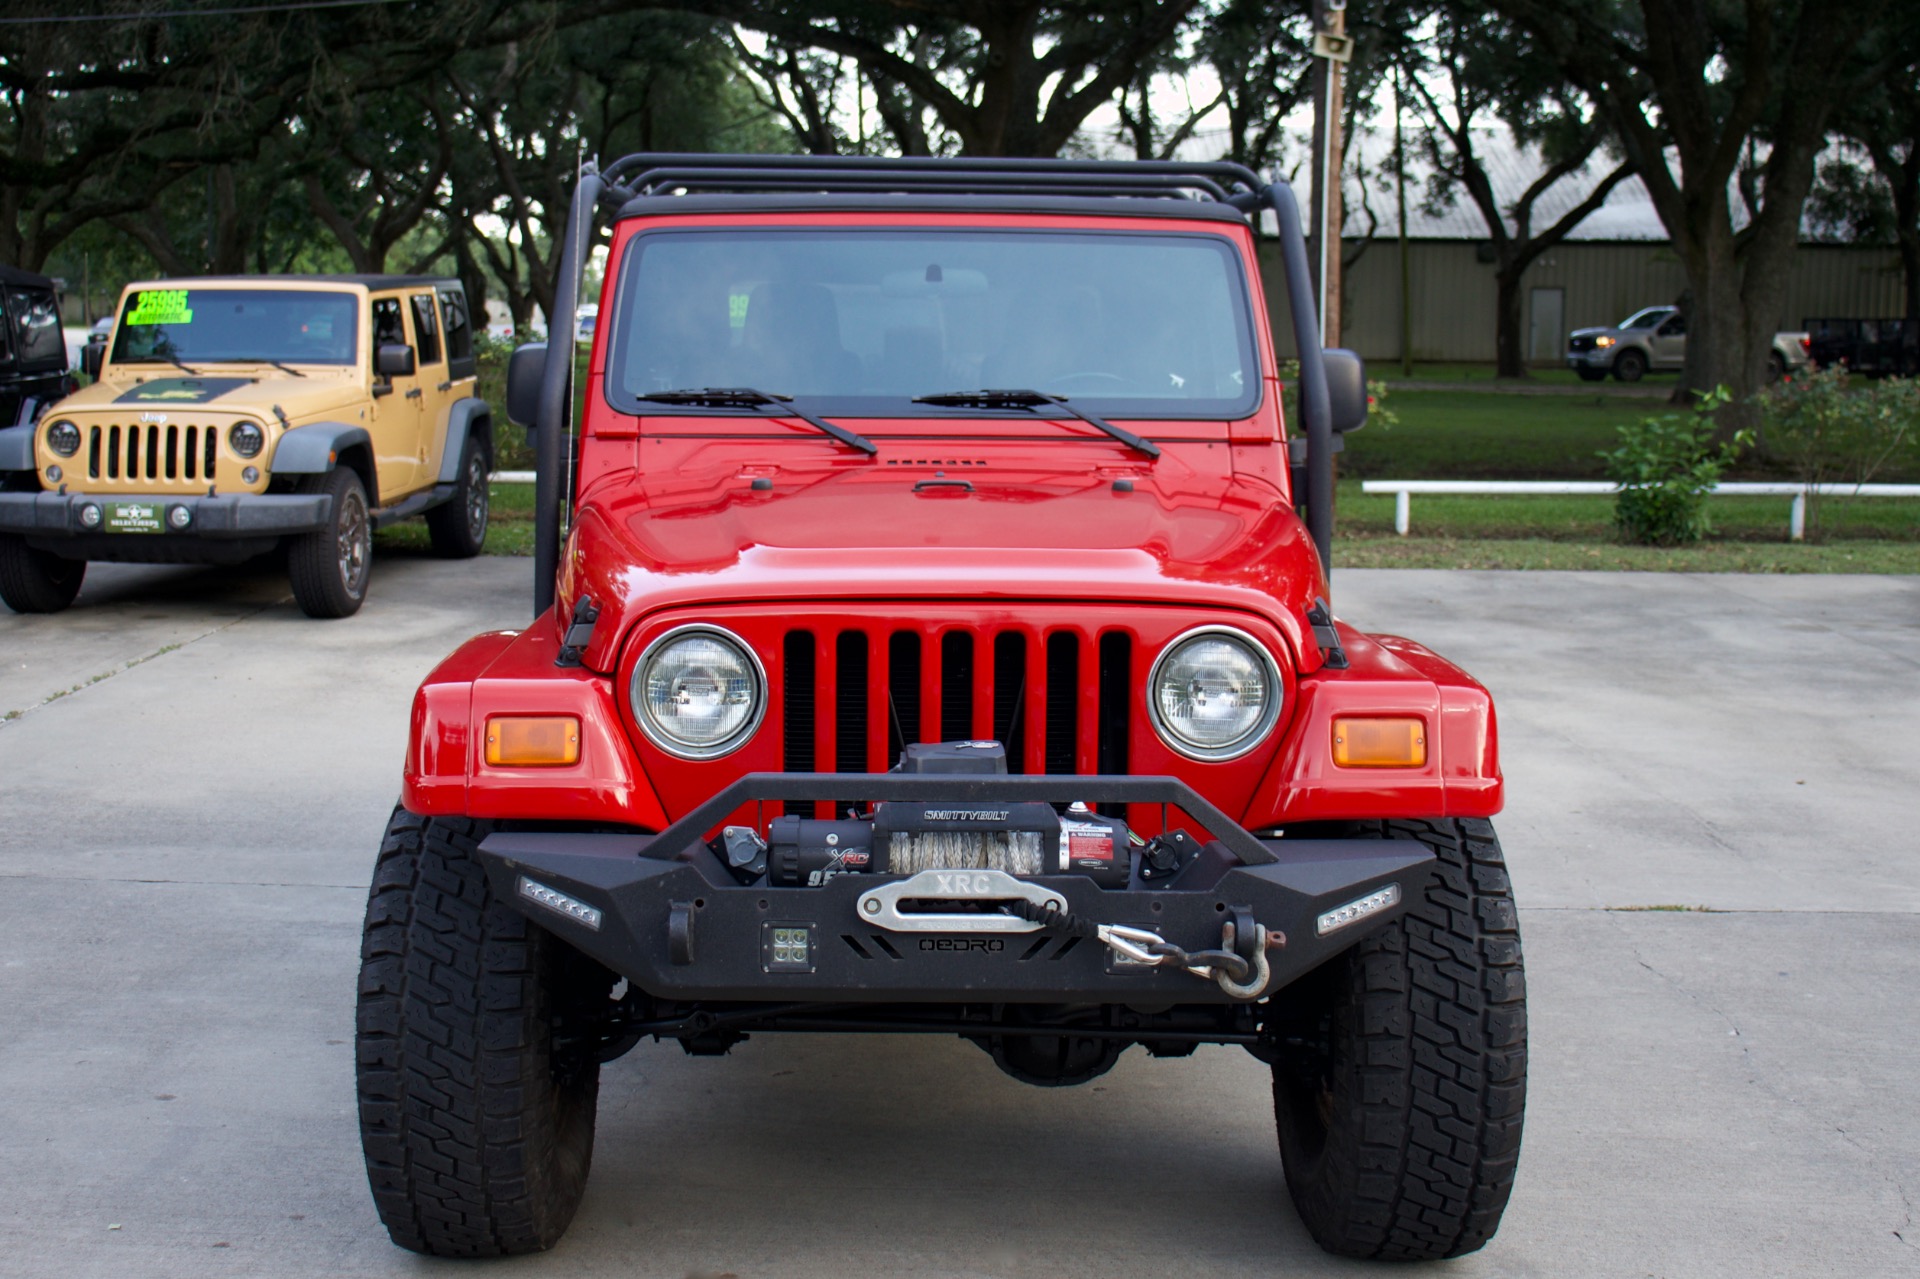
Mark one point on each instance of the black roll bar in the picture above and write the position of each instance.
(1315, 405)
(661, 173)
(553, 439)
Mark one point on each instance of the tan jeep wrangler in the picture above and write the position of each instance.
(229, 414)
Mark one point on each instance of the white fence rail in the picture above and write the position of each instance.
(1403, 491)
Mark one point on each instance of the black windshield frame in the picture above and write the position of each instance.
(623, 327)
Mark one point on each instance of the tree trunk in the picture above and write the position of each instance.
(1509, 359)
(1910, 270)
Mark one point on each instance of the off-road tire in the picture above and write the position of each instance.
(1400, 1119)
(34, 581)
(477, 1126)
(329, 576)
(1630, 366)
(1591, 375)
(458, 526)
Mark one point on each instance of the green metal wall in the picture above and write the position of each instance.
(1453, 293)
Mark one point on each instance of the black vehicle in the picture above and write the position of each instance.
(33, 352)
(1872, 348)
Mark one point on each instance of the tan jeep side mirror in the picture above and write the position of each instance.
(394, 359)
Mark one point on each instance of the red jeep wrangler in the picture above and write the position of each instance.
(931, 636)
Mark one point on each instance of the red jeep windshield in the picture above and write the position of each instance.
(859, 321)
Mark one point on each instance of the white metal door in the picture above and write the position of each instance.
(1546, 332)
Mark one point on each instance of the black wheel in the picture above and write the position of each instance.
(475, 1118)
(35, 582)
(459, 527)
(1630, 366)
(1776, 366)
(1591, 375)
(1399, 1109)
(329, 569)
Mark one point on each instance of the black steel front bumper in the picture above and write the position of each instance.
(665, 913)
(56, 516)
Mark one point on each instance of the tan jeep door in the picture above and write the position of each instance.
(396, 416)
(436, 388)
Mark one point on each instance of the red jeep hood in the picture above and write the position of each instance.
(852, 528)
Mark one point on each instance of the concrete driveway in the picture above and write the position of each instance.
(198, 776)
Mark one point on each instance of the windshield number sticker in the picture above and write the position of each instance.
(161, 306)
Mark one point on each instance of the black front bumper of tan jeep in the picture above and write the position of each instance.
(666, 913)
(211, 529)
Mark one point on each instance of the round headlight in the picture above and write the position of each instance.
(1214, 694)
(698, 692)
(247, 439)
(64, 438)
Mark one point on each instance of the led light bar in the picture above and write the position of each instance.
(1358, 909)
(559, 903)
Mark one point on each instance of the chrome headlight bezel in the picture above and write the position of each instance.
(659, 736)
(54, 448)
(1248, 740)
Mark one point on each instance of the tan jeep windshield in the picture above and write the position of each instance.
(860, 321)
(211, 326)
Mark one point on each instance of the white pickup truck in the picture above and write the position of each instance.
(1654, 339)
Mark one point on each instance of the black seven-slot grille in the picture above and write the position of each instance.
(138, 454)
(1058, 698)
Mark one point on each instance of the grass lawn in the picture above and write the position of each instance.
(1464, 435)
(1543, 375)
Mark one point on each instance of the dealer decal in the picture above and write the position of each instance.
(181, 390)
(161, 306)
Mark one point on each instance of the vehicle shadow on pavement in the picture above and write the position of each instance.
(901, 1154)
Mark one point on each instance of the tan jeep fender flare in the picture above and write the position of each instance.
(468, 416)
(318, 447)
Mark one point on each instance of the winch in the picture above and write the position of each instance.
(1024, 839)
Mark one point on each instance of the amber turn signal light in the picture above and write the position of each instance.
(1399, 742)
(533, 741)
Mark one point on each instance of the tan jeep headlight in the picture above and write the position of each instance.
(698, 692)
(1214, 694)
(246, 439)
(64, 438)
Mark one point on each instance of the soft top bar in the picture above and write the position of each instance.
(657, 173)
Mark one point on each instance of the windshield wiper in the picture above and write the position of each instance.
(1034, 400)
(284, 368)
(174, 360)
(745, 397)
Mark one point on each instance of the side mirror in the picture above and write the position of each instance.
(526, 368)
(393, 359)
(1346, 389)
(92, 356)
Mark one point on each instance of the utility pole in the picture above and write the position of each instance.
(1406, 271)
(1334, 49)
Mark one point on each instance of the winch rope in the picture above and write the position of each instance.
(1225, 964)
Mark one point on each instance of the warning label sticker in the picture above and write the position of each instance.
(1086, 842)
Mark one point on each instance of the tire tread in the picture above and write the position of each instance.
(1429, 1074)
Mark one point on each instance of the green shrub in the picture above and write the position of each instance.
(1829, 430)
(511, 451)
(1665, 467)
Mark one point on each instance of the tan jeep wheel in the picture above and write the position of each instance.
(330, 568)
